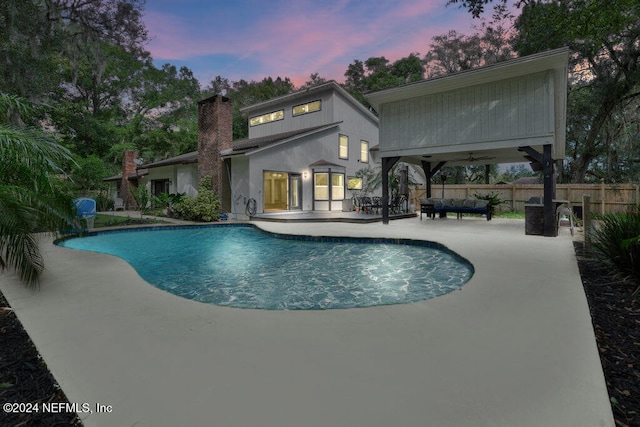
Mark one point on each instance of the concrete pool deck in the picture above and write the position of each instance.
(514, 347)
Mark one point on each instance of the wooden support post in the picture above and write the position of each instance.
(387, 164)
(602, 196)
(426, 167)
(586, 221)
(550, 227)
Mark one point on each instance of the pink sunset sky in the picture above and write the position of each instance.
(251, 39)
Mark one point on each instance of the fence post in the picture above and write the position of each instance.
(602, 197)
(586, 221)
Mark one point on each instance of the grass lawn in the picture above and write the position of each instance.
(106, 220)
(512, 215)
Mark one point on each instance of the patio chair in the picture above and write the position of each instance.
(376, 203)
(397, 204)
(565, 211)
(118, 204)
(366, 205)
(86, 209)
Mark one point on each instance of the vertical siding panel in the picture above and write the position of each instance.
(440, 122)
(499, 107)
(485, 113)
(551, 106)
(522, 108)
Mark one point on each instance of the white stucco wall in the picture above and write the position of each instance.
(184, 178)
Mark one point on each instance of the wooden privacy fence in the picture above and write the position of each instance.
(604, 197)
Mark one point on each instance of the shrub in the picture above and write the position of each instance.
(142, 198)
(494, 199)
(170, 202)
(203, 207)
(617, 242)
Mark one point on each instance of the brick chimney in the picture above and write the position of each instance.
(128, 169)
(215, 133)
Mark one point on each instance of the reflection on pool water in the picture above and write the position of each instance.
(242, 266)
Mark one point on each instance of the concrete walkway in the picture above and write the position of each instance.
(513, 347)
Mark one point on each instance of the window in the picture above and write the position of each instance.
(160, 186)
(321, 183)
(337, 186)
(322, 189)
(354, 183)
(364, 152)
(344, 147)
(266, 118)
(306, 108)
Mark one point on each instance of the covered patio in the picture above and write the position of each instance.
(513, 111)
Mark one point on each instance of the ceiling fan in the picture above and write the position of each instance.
(472, 159)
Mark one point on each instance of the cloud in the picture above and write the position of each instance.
(252, 40)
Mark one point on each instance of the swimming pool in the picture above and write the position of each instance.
(243, 266)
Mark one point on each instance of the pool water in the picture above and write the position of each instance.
(242, 266)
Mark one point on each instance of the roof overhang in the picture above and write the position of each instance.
(256, 145)
(183, 159)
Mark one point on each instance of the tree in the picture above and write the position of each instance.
(454, 52)
(314, 80)
(604, 39)
(476, 7)
(28, 47)
(514, 172)
(39, 39)
(88, 173)
(376, 73)
(245, 93)
(32, 198)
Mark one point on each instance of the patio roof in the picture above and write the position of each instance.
(187, 158)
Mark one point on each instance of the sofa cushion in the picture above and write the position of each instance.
(469, 203)
(481, 204)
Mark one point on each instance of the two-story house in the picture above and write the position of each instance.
(303, 152)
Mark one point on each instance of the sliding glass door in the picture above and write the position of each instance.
(282, 191)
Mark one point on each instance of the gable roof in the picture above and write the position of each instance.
(304, 93)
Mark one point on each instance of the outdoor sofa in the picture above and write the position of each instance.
(432, 206)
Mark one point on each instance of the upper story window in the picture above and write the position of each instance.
(343, 148)
(266, 118)
(364, 152)
(307, 108)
